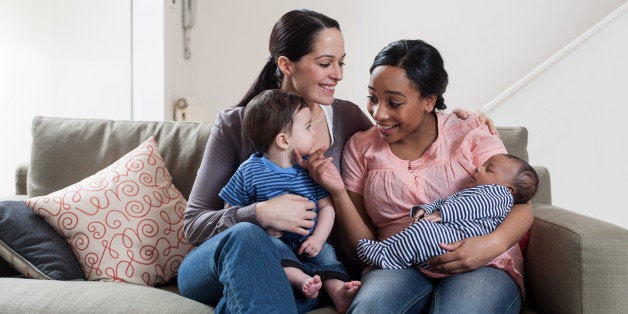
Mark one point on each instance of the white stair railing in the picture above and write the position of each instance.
(493, 104)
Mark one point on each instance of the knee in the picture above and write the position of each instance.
(246, 229)
(247, 235)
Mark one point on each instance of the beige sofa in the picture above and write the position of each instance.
(573, 264)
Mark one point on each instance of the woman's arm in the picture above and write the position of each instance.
(205, 214)
(472, 253)
(352, 219)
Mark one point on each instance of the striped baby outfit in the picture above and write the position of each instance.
(471, 212)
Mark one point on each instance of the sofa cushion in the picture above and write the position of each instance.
(65, 151)
(32, 247)
(124, 223)
(516, 140)
(51, 296)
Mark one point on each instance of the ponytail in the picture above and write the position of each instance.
(293, 36)
(269, 78)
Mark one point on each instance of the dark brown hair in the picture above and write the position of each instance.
(293, 37)
(422, 64)
(268, 114)
(525, 182)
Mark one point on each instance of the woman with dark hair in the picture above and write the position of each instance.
(235, 266)
(414, 155)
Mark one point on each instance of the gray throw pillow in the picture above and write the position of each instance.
(32, 247)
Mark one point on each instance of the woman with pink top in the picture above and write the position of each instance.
(413, 155)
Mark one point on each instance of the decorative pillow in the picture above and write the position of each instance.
(34, 249)
(124, 223)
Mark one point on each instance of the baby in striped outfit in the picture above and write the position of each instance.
(502, 181)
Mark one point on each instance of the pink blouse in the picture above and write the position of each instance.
(391, 186)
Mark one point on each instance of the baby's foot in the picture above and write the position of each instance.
(343, 296)
(311, 286)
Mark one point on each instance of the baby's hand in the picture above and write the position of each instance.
(311, 246)
(418, 215)
(433, 217)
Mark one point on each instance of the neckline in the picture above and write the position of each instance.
(411, 164)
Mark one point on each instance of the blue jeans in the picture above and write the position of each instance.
(238, 271)
(325, 263)
(485, 290)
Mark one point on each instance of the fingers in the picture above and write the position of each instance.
(303, 227)
(448, 263)
(419, 213)
(450, 246)
(308, 248)
(299, 159)
(316, 155)
(492, 128)
(461, 113)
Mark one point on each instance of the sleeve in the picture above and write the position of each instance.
(428, 208)
(204, 214)
(235, 193)
(478, 203)
(353, 165)
(321, 192)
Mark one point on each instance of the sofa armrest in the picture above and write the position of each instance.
(21, 175)
(575, 263)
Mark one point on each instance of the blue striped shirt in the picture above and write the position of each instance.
(259, 179)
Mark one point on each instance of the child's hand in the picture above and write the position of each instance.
(433, 217)
(311, 246)
(418, 215)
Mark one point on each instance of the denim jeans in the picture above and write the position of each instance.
(485, 290)
(238, 271)
(325, 263)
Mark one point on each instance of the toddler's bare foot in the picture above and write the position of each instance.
(311, 286)
(343, 295)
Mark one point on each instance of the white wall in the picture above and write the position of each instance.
(69, 58)
(73, 58)
(148, 60)
(575, 112)
(486, 47)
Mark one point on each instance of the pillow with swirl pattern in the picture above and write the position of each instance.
(124, 223)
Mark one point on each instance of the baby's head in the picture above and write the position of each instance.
(510, 171)
(273, 112)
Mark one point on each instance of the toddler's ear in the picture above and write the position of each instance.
(282, 140)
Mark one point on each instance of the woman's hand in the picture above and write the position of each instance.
(465, 255)
(322, 170)
(484, 119)
(288, 212)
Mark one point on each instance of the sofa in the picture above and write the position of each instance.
(573, 263)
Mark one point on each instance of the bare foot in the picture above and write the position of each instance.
(311, 286)
(343, 294)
